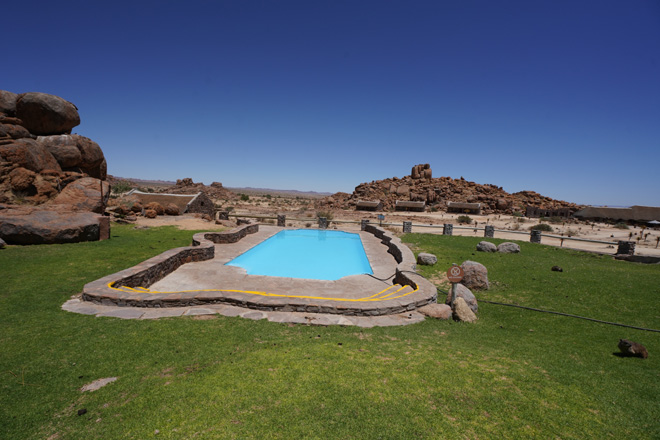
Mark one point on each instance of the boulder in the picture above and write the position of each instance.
(2, 243)
(44, 114)
(467, 295)
(48, 227)
(63, 148)
(86, 194)
(137, 207)
(438, 311)
(461, 311)
(21, 178)
(476, 275)
(155, 206)
(172, 209)
(508, 248)
(13, 131)
(30, 154)
(486, 246)
(8, 102)
(150, 213)
(75, 152)
(426, 259)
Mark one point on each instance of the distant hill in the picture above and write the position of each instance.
(279, 192)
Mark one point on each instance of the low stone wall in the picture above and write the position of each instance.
(405, 270)
(232, 236)
(155, 269)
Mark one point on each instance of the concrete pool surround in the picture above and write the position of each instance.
(196, 276)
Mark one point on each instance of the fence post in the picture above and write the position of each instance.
(489, 231)
(407, 227)
(281, 220)
(323, 223)
(363, 224)
(626, 248)
(448, 229)
(535, 236)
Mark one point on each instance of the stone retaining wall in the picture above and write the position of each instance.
(156, 268)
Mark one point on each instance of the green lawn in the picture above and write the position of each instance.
(513, 374)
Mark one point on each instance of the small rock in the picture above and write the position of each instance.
(2, 243)
(82, 411)
(630, 348)
(476, 275)
(557, 269)
(486, 246)
(466, 294)
(461, 311)
(438, 311)
(508, 248)
(155, 206)
(426, 259)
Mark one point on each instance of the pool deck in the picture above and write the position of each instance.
(195, 284)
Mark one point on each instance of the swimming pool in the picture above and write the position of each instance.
(307, 253)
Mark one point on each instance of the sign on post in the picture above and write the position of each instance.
(454, 275)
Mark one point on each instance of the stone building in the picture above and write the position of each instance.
(187, 203)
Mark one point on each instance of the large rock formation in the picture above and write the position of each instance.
(436, 192)
(44, 166)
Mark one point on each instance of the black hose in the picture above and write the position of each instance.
(564, 314)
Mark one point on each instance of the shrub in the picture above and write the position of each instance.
(542, 227)
(464, 219)
(517, 214)
(245, 197)
(556, 220)
(621, 226)
(121, 187)
(327, 214)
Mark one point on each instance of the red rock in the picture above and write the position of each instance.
(45, 114)
(86, 194)
(150, 213)
(172, 209)
(29, 154)
(13, 131)
(8, 102)
(155, 206)
(21, 179)
(47, 227)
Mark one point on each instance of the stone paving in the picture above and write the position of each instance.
(195, 281)
(76, 305)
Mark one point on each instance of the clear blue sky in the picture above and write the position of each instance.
(559, 97)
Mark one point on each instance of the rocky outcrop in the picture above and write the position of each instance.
(38, 156)
(437, 192)
(41, 164)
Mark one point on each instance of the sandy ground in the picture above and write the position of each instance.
(515, 229)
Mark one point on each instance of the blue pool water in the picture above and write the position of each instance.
(306, 253)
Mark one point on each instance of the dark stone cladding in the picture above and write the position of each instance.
(156, 268)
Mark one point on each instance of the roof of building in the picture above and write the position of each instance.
(369, 203)
(462, 205)
(180, 200)
(636, 213)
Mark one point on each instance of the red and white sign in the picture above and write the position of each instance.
(455, 274)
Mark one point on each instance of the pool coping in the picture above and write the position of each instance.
(127, 287)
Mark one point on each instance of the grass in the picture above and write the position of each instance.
(513, 374)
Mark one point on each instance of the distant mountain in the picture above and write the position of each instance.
(280, 192)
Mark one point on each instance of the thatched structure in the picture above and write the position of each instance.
(405, 205)
(187, 203)
(464, 208)
(369, 205)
